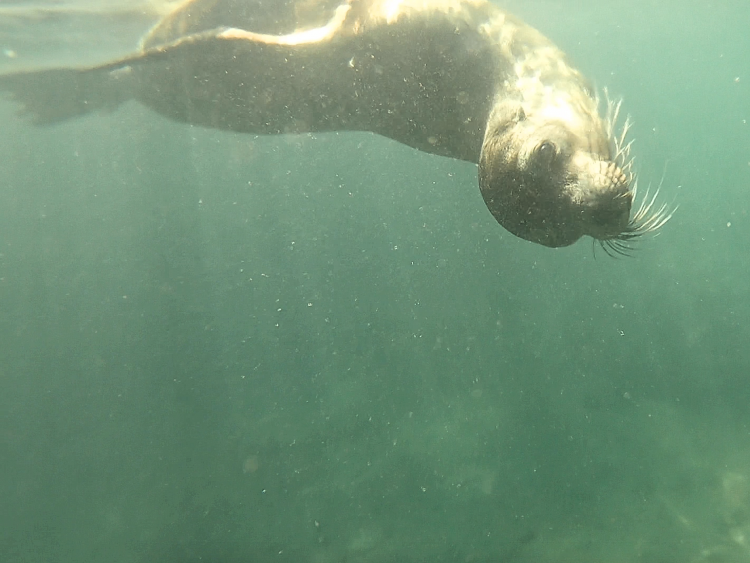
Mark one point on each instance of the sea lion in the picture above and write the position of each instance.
(457, 78)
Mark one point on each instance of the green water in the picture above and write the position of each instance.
(219, 348)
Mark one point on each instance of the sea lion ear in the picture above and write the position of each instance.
(521, 115)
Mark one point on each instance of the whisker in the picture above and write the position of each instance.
(647, 219)
(650, 216)
(614, 248)
(621, 247)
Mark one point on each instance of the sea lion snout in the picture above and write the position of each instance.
(603, 192)
(607, 213)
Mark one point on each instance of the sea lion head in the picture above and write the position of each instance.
(554, 172)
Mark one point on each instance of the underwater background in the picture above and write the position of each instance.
(225, 348)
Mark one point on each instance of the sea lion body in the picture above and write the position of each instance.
(457, 78)
(337, 77)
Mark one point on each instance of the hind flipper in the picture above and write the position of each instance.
(52, 96)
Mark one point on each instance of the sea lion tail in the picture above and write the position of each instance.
(52, 96)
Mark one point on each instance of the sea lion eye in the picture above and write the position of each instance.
(546, 153)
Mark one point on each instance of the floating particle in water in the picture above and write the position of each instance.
(251, 464)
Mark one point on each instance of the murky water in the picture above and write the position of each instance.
(223, 348)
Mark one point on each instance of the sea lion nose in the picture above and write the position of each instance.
(611, 217)
(611, 211)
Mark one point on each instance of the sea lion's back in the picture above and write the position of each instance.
(272, 17)
(284, 17)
